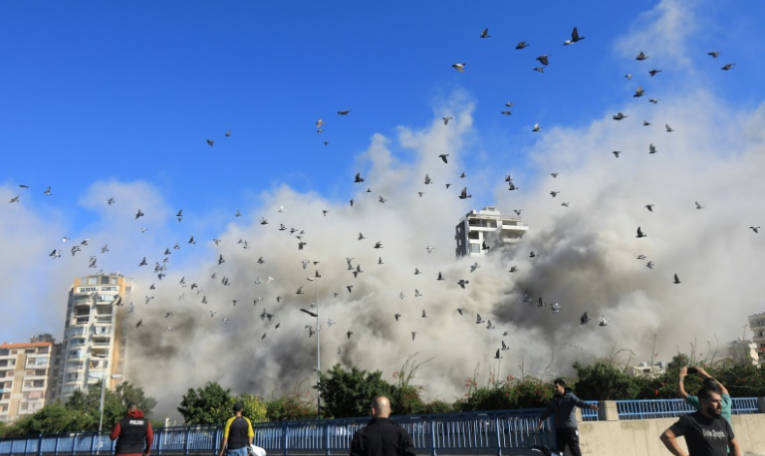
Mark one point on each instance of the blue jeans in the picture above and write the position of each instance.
(238, 452)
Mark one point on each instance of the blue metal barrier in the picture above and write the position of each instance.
(672, 408)
(477, 432)
(486, 432)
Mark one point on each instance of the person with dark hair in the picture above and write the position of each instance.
(709, 382)
(562, 408)
(706, 433)
(133, 433)
(237, 434)
(382, 437)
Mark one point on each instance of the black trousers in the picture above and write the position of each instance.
(568, 437)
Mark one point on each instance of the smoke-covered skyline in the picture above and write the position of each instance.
(586, 253)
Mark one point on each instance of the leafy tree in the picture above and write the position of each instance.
(54, 418)
(210, 404)
(509, 394)
(290, 407)
(254, 408)
(131, 394)
(603, 381)
(90, 403)
(348, 393)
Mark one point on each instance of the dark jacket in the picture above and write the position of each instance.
(134, 432)
(382, 437)
(562, 409)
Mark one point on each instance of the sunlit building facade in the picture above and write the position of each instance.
(481, 231)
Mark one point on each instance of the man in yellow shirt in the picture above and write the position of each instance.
(237, 434)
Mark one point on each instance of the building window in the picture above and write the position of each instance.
(104, 280)
(475, 248)
(4, 352)
(113, 281)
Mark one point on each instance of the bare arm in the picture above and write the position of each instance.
(704, 374)
(223, 446)
(669, 441)
(735, 448)
(680, 386)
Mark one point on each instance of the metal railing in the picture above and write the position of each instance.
(475, 432)
(672, 408)
(484, 433)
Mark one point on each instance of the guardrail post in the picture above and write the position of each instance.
(55, 445)
(499, 440)
(159, 440)
(92, 443)
(326, 438)
(216, 441)
(39, 446)
(26, 446)
(284, 438)
(186, 444)
(761, 404)
(433, 436)
(74, 439)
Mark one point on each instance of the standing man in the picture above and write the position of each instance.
(134, 433)
(706, 433)
(693, 401)
(382, 437)
(237, 434)
(562, 408)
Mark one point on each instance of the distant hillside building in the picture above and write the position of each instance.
(94, 345)
(481, 231)
(28, 376)
(757, 325)
(645, 369)
(743, 352)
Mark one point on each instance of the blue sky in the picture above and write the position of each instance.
(117, 99)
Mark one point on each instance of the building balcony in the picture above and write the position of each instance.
(25, 389)
(35, 377)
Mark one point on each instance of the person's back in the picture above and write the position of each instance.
(133, 433)
(382, 437)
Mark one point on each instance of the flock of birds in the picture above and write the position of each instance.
(188, 289)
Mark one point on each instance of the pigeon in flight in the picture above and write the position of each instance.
(574, 37)
(462, 283)
(654, 72)
(654, 100)
(544, 59)
(619, 116)
(699, 206)
(504, 346)
(485, 33)
(638, 92)
(310, 313)
(464, 194)
(522, 45)
(677, 280)
(446, 119)
(474, 266)
(616, 153)
(714, 54)
(603, 321)
(640, 233)
(727, 66)
(139, 214)
(756, 229)
(651, 149)
(444, 157)
(669, 129)
(496, 355)
(344, 113)
(536, 128)
(641, 56)
(584, 319)
(358, 178)
(210, 142)
(459, 67)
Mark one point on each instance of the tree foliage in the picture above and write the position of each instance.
(348, 393)
(603, 381)
(210, 404)
(254, 408)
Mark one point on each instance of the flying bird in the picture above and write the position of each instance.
(544, 59)
(677, 280)
(358, 178)
(459, 67)
(344, 113)
(536, 128)
(521, 45)
(464, 194)
(641, 56)
(210, 142)
(485, 33)
(640, 233)
(756, 229)
(310, 313)
(447, 119)
(574, 37)
(638, 93)
(619, 116)
(727, 66)
(669, 129)
(651, 149)
(443, 157)
(584, 319)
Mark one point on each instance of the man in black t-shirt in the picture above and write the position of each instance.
(706, 432)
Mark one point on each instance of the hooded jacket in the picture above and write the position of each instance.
(134, 433)
(562, 409)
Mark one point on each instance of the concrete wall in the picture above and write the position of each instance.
(641, 437)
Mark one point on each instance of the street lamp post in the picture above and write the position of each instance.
(103, 378)
(318, 350)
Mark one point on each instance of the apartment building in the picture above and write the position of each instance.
(94, 346)
(757, 325)
(27, 372)
(481, 231)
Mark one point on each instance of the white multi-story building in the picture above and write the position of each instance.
(94, 345)
(27, 380)
(743, 352)
(481, 231)
(645, 369)
(757, 325)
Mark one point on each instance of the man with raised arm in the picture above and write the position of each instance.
(706, 432)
